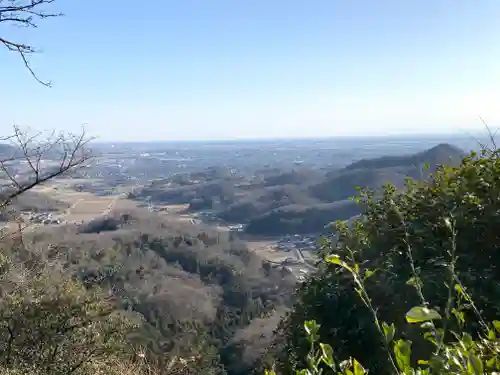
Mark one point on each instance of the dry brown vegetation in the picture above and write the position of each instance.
(194, 288)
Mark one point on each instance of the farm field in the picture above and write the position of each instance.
(84, 206)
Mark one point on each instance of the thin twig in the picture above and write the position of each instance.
(24, 13)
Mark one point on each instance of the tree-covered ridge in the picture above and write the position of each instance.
(333, 192)
(441, 154)
(300, 200)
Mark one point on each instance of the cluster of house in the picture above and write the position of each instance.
(296, 241)
(43, 218)
(236, 228)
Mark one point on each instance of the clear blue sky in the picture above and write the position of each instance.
(222, 69)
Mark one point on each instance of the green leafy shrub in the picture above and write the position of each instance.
(461, 355)
(408, 243)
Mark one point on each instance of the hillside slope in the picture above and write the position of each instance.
(339, 185)
(195, 289)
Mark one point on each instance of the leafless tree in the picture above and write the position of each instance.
(35, 159)
(492, 134)
(24, 13)
(23, 163)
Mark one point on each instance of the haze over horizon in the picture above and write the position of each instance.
(435, 138)
(183, 70)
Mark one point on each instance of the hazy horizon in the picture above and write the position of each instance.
(416, 136)
(258, 70)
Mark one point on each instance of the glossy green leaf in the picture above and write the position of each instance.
(358, 369)
(430, 336)
(491, 335)
(490, 363)
(389, 331)
(459, 289)
(496, 324)
(402, 351)
(369, 273)
(467, 340)
(474, 365)
(437, 364)
(420, 314)
(327, 354)
(334, 259)
(459, 316)
(311, 326)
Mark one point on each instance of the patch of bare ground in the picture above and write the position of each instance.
(84, 206)
(174, 208)
(267, 250)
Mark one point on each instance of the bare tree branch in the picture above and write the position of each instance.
(63, 151)
(24, 13)
(491, 135)
(490, 145)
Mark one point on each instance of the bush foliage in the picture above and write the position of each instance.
(416, 246)
(51, 324)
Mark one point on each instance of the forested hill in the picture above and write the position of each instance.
(278, 201)
(442, 154)
(332, 193)
(195, 291)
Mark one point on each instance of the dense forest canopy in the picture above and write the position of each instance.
(182, 283)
